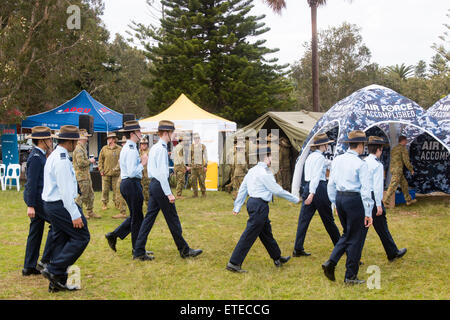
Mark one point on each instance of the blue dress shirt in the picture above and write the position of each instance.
(60, 182)
(350, 173)
(260, 183)
(315, 170)
(130, 162)
(158, 165)
(376, 174)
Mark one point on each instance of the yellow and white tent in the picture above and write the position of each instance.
(188, 117)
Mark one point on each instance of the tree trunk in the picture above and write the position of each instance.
(315, 58)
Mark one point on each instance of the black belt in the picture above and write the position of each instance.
(132, 179)
(348, 193)
(259, 199)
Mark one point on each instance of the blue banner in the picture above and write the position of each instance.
(10, 146)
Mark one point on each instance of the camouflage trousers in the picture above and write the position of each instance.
(145, 183)
(108, 183)
(122, 205)
(198, 174)
(237, 181)
(180, 172)
(87, 195)
(397, 179)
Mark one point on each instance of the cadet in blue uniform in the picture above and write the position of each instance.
(69, 226)
(376, 173)
(315, 196)
(161, 197)
(131, 166)
(42, 140)
(349, 189)
(260, 185)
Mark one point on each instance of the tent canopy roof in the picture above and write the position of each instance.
(68, 113)
(295, 124)
(183, 109)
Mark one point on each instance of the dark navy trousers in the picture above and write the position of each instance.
(258, 225)
(351, 214)
(381, 227)
(131, 190)
(322, 204)
(159, 201)
(35, 238)
(69, 242)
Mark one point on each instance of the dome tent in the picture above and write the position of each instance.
(372, 107)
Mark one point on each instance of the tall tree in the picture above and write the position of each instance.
(204, 50)
(420, 70)
(403, 71)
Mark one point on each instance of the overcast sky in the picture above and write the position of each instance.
(395, 31)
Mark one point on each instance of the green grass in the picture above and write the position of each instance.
(209, 224)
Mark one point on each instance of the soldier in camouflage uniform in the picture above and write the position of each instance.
(81, 164)
(107, 165)
(199, 165)
(399, 158)
(240, 166)
(180, 167)
(143, 149)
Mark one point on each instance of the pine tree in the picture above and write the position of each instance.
(204, 50)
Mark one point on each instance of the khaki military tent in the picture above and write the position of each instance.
(294, 125)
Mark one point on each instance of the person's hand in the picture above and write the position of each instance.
(30, 212)
(188, 168)
(412, 172)
(379, 210)
(368, 221)
(92, 160)
(205, 169)
(309, 200)
(144, 159)
(78, 223)
(171, 198)
(235, 213)
(102, 173)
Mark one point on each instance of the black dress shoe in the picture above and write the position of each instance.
(144, 257)
(150, 253)
(191, 253)
(300, 253)
(112, 240)
(354, 280)
(399, 254)
(235, 268)
(328, 268)
(282, 260)
(30, 271)
(57, 282)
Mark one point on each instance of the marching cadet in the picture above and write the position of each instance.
(43, 146)
(180, 167)
(260, 185)
(315, 196)
(131, 166)
(162, 197)
(349, 189)
(199, 165)
(107, 165)
(399, 158)
(69, 226)
(376, 173)
(120, 200)
(81, 164)
(143, 149)
(239, 167)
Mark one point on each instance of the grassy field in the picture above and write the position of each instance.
(209, 224)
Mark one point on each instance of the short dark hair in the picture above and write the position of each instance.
(401, 138)
(354, 145)
(127, 134)
(373, 148)
(35, 141)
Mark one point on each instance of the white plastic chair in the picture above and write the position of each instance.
(2, 176)
(13, 173)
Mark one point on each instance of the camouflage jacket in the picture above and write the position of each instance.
(399, 158)
(108, 160)
(199, 156)
(178, 155)
(81, 163)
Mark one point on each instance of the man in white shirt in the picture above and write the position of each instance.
(69, 226)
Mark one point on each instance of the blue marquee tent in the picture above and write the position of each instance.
(105, 119)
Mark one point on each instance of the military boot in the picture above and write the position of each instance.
(91, 214)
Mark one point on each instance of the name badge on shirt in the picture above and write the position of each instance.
(131, 146)
(63, 156)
